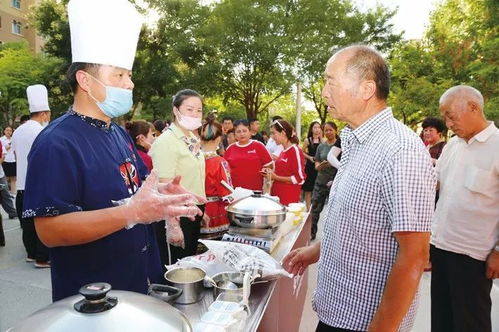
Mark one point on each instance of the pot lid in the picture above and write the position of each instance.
(257, 205)
(100, 309)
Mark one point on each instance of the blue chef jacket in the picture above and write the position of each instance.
(80, 164)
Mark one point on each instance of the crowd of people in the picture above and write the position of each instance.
(101, 202)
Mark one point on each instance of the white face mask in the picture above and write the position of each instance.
(188, 122)
(45, 124)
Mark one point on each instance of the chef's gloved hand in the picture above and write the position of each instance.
(149, 205)
(174, 234)
(175, 188)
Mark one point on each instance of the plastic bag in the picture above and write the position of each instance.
(207, 261)
(246, 258)
(174, 234)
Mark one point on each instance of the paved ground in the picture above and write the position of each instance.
(24, 289)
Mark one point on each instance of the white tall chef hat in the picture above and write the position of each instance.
(37, 98)
(104, 32)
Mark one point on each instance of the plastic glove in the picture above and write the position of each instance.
(149, 205)
(206, 221)
(175, 188)
(174, 233)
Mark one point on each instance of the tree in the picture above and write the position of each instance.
(19, 68)
(319, 27)
(246, 44)
(460, 47)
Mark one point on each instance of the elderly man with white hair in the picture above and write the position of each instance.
(464, 243)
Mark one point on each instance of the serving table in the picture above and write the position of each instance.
(275, 305)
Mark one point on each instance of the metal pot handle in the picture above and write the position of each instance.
(244, 220)
(164, 292)
(96, 299)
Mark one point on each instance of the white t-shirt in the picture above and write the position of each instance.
(22, 139)
(8, 154)
(466, 219)
(273, 148)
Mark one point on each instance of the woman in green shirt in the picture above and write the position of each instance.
(177, 152)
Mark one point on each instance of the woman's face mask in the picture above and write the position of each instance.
(188, 122)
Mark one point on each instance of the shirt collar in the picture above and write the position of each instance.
(370, 126)
(177, 131)
(484, 135)
(99, 124)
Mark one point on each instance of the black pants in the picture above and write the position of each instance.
(34, 247)
(319, 196)
(321, 327)
(2, 236)
(6, 199)
(191, 230)
(460, 293)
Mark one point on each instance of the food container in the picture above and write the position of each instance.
(300, 206)
(239, 279)
(99, 308)
(297, 211)
(256, 211)
(190, 280)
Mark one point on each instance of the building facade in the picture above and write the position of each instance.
(14, 25)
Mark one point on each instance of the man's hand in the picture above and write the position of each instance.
(403, 281)
(175, 188)
(492, 264)
(297, 261)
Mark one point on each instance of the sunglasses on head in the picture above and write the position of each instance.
(276, 122)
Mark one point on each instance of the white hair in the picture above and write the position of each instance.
(462, 94)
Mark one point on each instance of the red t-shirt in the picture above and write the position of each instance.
(291, 163)
(246, 162)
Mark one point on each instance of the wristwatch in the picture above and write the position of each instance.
(497, 248)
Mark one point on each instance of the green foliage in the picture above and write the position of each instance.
(50, 19)
(460, 47)
(319, 27)
(19, 68)
(244, 56)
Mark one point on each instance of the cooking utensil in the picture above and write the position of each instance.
(256, 211)
(190, 280)
(236, 278)
(99, 308)
(227, 284)
(164, 292)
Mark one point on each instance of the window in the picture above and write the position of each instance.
(16, 4)
(16, 27)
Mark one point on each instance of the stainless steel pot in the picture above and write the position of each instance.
(100, 309)
(256, 211)
(190, 280)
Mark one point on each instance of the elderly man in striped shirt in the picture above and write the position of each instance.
(378, 222)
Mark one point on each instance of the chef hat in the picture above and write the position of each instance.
(37, 98)
(104, 31)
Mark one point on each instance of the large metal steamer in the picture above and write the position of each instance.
(257, 211)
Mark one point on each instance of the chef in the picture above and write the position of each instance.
(83, 184)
